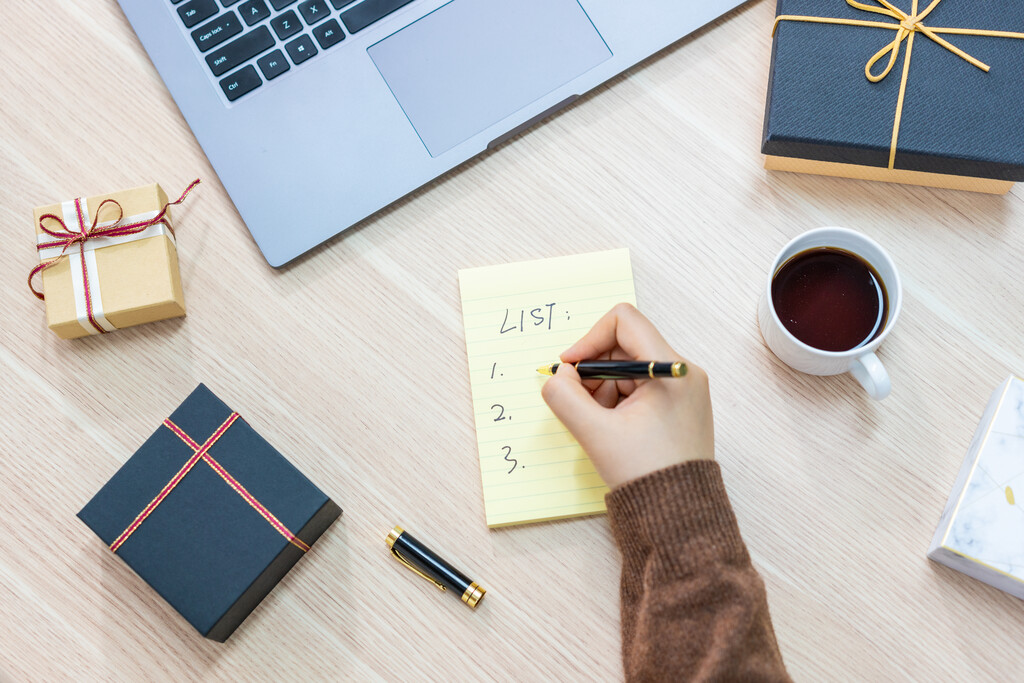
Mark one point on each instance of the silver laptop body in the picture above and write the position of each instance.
(318, 113)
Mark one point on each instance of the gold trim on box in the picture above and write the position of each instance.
(886, 175)
(983, 564)
(974, 466)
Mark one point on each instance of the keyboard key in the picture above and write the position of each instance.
(338, 4)
(328, 33)
(229, 3)
(241, 82)
(273, 65)
(281, 4)
(365, 13)
(194, 11)
(313, 11)
(212, 34)
(175, 2)
(286, 25)
(240, 51)
(301, 49)
(254, 11)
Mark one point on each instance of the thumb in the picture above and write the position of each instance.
(571, 403)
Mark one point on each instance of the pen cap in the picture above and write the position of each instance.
(424, 562)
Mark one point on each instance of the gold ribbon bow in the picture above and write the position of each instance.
(907, 26)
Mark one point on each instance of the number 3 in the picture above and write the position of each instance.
(508, 452)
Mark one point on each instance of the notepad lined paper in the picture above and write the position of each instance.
(519, 316)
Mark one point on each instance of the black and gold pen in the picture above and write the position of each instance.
(420, 559)
(621, 369)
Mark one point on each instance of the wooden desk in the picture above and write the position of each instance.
(837, 496)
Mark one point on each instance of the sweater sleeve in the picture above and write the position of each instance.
(693, 607)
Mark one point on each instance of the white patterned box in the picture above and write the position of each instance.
(981, 532)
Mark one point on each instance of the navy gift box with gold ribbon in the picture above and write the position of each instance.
(209, 514)
(927, 92)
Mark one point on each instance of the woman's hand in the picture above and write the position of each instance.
(631, 428)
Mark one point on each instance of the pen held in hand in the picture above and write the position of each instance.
(621, 369)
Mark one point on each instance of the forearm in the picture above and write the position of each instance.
(693, 607)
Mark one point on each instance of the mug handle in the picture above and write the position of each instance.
(872, 375)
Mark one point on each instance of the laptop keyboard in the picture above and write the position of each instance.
(246, 43)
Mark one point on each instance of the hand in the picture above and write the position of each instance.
(631, 428)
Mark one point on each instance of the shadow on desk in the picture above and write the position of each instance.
(957, 594)
(932, 209)
(305, 604)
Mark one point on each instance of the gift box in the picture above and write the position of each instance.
(108, 262)
(209, 514)
(901, 94)
(981, 532)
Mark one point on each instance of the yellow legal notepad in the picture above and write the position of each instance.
(519, 316)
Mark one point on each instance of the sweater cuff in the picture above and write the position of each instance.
(681, 506)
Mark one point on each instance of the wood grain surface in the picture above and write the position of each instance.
(352, 362)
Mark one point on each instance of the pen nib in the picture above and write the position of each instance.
(545, 370)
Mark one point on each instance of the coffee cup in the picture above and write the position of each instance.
(832, 297)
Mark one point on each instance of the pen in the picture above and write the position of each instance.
(621, 369)
(420, 559)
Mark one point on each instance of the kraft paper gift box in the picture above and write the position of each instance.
(109, 282)
(981, 532)
(209, 514)
(937, 118)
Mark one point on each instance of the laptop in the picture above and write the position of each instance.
(318, 113)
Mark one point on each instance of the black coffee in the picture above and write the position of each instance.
(830, 299)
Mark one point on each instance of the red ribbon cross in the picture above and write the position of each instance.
(201, 452)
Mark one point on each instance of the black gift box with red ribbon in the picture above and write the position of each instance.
(209, 514)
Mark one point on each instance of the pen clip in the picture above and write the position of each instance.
(398, 556)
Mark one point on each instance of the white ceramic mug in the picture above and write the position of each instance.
(861, 361)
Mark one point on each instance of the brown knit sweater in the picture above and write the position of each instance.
(693, 607)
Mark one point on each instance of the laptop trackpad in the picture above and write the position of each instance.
(471, 63)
